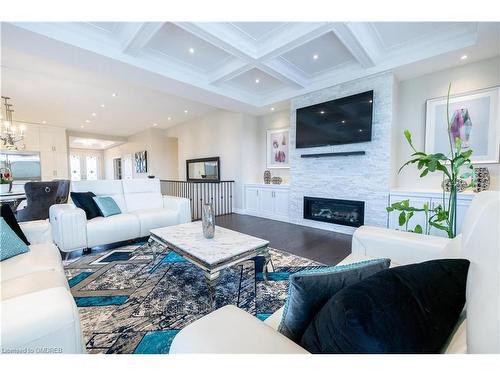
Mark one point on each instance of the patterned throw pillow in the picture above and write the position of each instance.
(309, 290)
(10, 244)
(107, 206)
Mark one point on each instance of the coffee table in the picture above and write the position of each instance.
(225, 250)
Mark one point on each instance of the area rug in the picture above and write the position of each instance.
(134, 299)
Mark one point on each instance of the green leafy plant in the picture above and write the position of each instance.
(451, 166)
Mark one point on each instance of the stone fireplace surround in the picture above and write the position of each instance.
(356, 177)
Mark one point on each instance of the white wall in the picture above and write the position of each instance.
(273, 120)
(410, 114)
(234, 137)
(162, 154)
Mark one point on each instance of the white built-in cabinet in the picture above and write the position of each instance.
(51, 142)
(270, 201)
(433, 198)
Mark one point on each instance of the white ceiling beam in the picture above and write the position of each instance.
(358, 38)
(292, 37)
(138, 35)
(229, 71)
(284, 71)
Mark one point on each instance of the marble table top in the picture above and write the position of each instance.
(227, 244)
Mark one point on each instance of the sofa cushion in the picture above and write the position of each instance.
(37, 231)
(309, 290)
(111, 229)
(41, 257)
(155, 218)
(33, 282)
(142, 194)
(10, 219)
(86, 202)
(408, 309)
(110, 188)
(107, 206)
(10, 244)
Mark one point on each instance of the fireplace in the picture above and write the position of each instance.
(335, 211)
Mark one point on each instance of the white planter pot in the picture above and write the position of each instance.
(4, 188)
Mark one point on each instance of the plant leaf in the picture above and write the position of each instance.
(418, 229)
(402, 218)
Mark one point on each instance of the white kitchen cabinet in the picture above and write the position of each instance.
(269, 201)
(53, 153)
(433, 198)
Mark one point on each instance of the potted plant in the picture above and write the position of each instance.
(5, 180)
(451, 166)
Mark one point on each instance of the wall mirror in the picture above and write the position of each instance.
(207, 169)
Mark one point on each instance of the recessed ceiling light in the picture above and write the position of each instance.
(113, 94)
(272, 108)
(463, 57)
(343, 121)
(94, 114)
(169, 118)
(87, 121)
(81, 126)
(44, 122)
(191, 50)
(322, 112)
(257, 80)
(155, 125)
(185, 111)
(315, 56)
(102, 106)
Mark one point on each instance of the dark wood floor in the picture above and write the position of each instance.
(316, 244)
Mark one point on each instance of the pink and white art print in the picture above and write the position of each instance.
(278, 148)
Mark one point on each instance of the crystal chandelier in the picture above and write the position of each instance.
(10, 136)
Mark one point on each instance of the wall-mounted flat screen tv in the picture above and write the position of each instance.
(337, 122)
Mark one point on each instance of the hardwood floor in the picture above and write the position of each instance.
(316, 244)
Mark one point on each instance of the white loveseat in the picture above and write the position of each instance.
(38, 312)
(142, 205)
(232, 330)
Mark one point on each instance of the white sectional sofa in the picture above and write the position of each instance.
(38, 312)
(142, 205)
(232, 330)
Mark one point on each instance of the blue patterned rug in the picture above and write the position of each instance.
(135, 299)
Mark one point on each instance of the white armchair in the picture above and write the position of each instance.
(480, 243)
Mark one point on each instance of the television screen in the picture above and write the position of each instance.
(337, 122)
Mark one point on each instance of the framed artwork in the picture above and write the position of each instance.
(278, 148)
(141, 162)
(478, 124)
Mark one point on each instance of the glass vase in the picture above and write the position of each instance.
(208, 220)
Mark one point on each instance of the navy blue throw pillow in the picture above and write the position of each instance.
(309, 290)
(408, 309)
(86, 202)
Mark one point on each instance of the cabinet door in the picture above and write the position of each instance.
(31, 137)
(266, 201)
(418, 217)
(252, 199)
(48, 164)
(61, 164)
(281, 203)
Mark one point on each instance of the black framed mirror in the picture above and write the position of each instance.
(206, 169)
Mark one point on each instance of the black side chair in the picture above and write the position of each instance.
(40, 196)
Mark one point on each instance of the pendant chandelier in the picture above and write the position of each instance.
(11, 136)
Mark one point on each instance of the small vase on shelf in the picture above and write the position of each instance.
(208, 220)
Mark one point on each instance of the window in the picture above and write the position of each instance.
(85, 165)
(91, 167)
(75, 167)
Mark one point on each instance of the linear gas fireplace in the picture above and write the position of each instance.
(336, 211)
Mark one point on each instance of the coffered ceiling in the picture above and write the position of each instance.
(258, 64)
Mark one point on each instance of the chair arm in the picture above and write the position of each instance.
(402, 247)
(69, 227)
(230, 330)
(181, 205)
(41, 322)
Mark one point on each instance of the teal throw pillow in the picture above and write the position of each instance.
(10, 244)
(107, 206)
